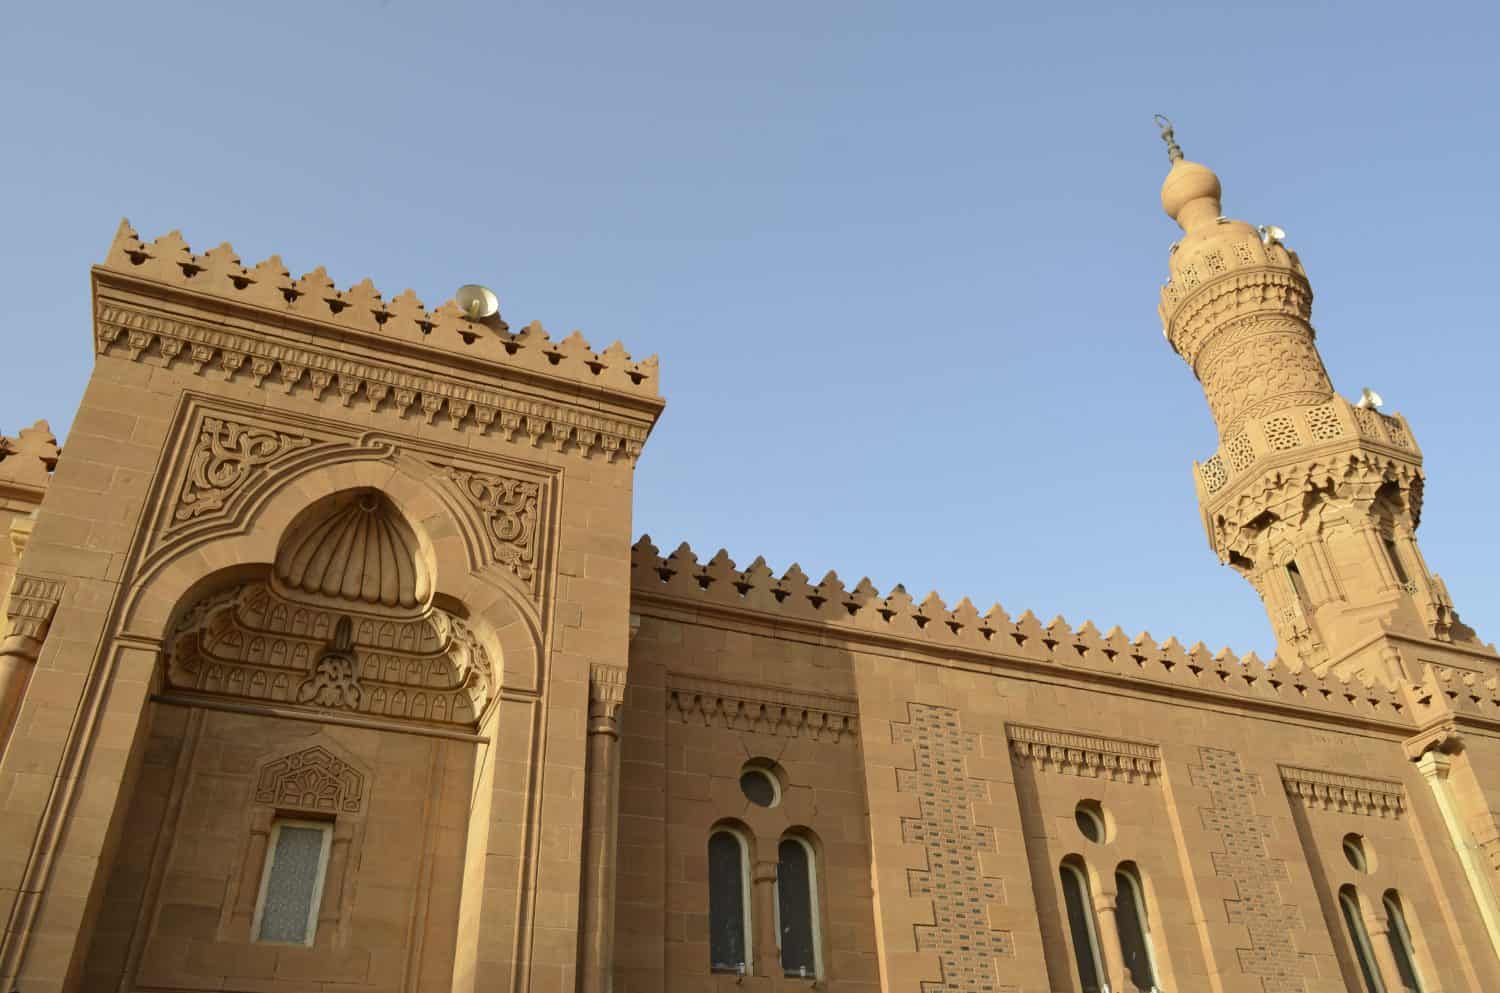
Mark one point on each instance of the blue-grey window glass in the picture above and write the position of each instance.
(1081, 926)
(794, 898)
(1135, 933)
(1360, 939)
(726, 903)
(293, 884)
(1401, 947)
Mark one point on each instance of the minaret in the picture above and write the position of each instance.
(1313, 499)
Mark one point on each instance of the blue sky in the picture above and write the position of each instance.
(900, 261)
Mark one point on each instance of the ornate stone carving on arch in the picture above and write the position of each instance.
(312, 779)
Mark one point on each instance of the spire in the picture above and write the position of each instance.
(1191, 192)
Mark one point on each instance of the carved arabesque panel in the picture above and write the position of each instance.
(312, 779)
(510, 507)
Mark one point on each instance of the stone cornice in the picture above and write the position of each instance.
(1191, 312)
(1341, 793)
(761, 709)
(327, 371)
(1085, 755)
(862, 619)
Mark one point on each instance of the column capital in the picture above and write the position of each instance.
(606, 694)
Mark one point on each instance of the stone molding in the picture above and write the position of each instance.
(1194, 304)
(1334, 791)
(28, 614)
(360, 309)
(761, 709)
(933, 628)
(1088, 756)
(394, 388)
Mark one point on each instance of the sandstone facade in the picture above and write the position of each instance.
(329, 663)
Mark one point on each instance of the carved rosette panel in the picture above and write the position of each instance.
(225, 455)
(1259, 366)
(253, 644)
(312, 779)
(1085, 755)
(1339, 793)
(510, 508)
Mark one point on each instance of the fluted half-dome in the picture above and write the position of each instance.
(357, 547)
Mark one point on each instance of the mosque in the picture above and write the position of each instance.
(330, 663)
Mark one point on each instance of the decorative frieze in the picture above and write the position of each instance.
(1085, 755)
(761, 710)
(400, 389)
(1344, 794)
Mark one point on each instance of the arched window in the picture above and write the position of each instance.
(797, 908)
(728, 902)
(1401, 946)
(1349, 903)
(1134, 927)
(1080, 908)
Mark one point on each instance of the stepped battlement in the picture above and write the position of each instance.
(361, 309)
(962, 631)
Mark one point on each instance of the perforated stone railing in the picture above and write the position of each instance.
(1297, 428)
(947, 633)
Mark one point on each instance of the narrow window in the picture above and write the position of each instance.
(291, 883)
(1299, 585)
(1080, 909)
(1395, 557)
(1360, 939)
(728, 903)
(1401, 946)
(1135, 927)
(797, 909)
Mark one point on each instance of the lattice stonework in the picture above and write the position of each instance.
(1323, 422)
(1241, 455)
(312, 779)
(1281, 434)
(962, 938)
(1214, 476)
(1245, 860)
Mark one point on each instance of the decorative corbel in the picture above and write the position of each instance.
(606, 694)
(1442, 738)
(28, 614)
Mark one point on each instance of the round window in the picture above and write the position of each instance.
(1089, 816)
(760, 787)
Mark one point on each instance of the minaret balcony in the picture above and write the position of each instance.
(1292, 434)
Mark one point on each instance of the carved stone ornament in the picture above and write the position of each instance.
(251, 643)
(224, 456)
(355, 548)
(762, 710)
(606, 695)
(28, 613)
(509, 507)
(1344, 794)
(312, 779)
(1085, 755)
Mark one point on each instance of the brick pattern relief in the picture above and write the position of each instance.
(1244, 834)
(1344, 794)
(1085, 755)
(960, 892)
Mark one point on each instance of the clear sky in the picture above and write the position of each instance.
(900, 261)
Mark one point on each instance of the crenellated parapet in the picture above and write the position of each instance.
(863, 618)
(212, 316)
